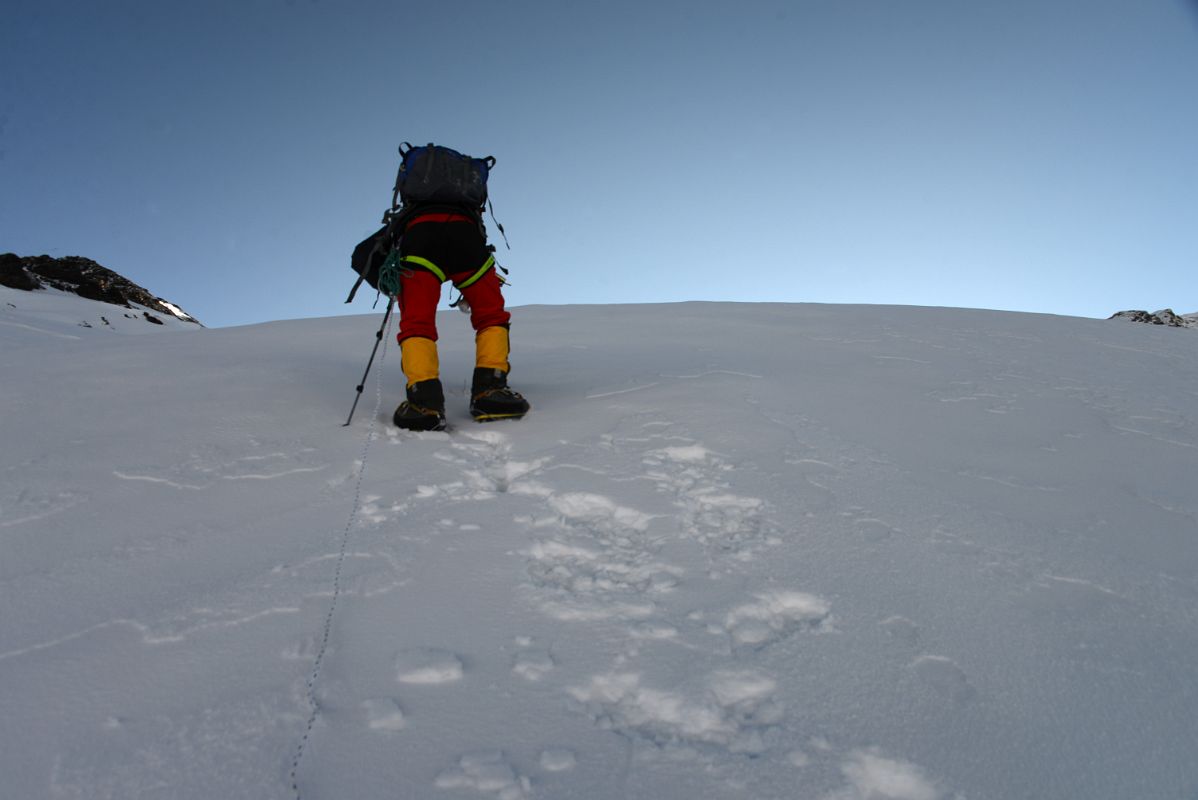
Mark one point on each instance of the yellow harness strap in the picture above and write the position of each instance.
(424, 262)
(433, 268)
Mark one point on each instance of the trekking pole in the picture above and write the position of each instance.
(378, 338)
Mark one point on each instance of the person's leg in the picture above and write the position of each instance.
(490, 397)
(490, 321)
(420, 291)
(424, 408)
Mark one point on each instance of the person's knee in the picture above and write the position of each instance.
(480, 320)
(411, 328)
(418, 298)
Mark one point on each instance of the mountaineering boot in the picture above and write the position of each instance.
(491, 399)
(424, 410)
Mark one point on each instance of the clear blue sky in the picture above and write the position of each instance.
(1035, 155)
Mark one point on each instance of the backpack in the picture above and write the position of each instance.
(439, 175)
(368, 258)
(428, 175)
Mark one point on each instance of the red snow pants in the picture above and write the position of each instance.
(439, 247)
(420, 292)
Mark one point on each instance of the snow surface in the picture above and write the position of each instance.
(53, 313)
(763, 551)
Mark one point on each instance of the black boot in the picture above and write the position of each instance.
(490, 397)
(424, 410)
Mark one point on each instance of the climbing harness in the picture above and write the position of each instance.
(433, 268)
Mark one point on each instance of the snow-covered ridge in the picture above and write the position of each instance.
(88, 280)
(1163, 317)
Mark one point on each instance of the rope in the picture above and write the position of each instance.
(328, 620)
(389, 274)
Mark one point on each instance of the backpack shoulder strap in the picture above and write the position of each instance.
(404, 149)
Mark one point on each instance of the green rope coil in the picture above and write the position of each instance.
(389, 274)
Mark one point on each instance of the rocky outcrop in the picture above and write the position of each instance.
(1163, 317)
(83, 277)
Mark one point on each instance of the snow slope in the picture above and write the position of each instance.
(52, 313)
(764, 551)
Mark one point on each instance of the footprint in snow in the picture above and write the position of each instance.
(428, 666)
(533, 664)
(558, 759)
(773, 615)
(901, 629)
(874, 530)
(304, 649)
(601, 562)
(730, 710)
(384, 714)
(945, 677)
(871, 774)
(728, 525)
(488, 772)
(484, 467)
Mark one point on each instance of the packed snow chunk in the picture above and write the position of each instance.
(711, 499)
(515, 470)
(687, 454)
(487, 771)
(532, 665)
(775, 614)
(585, 612)
(560, 551)
(873, 776)
(597, 509)
(558, 759)
(658, 714)
(730, 713)
(384, 714)
(742, 688)
(581, 571)
(428, 666)
(653, 630)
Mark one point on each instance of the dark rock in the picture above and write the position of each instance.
(1136, 316)
(103, 293)
(14, 275)
(1167, 317)
(83, 277)
(1164, 317)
